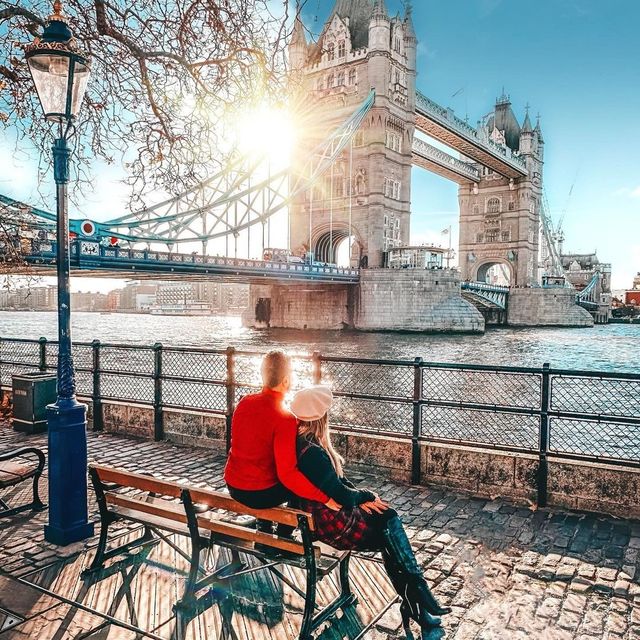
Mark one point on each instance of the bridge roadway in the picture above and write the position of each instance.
(92, 259)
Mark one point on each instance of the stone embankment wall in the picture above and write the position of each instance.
(385, 299)
(414, 300)
(542, 307)
(487, 473)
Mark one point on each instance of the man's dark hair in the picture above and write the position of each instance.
(276, 366)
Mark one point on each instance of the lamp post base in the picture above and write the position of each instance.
(68, 519)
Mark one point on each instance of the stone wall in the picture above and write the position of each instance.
(486, 473)
(540, 307)
(414, 300)
(385, 300)
(302, 306)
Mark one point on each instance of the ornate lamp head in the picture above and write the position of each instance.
(60, 70)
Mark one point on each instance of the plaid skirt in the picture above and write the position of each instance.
(348, 529)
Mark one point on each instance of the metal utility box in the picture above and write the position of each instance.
(32, 392)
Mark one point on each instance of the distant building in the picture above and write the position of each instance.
(88, 301)
(42, 298)
(632, 296)
(138, 296)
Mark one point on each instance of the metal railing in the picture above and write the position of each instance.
(92, 255)
(448, 119)
(444, 159)
(550, 413)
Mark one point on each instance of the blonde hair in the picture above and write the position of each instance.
(319, 429)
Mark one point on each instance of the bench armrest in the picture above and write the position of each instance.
(18, 453)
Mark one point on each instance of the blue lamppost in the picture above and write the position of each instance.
(60, 72)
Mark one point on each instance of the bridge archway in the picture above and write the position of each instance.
(332, 246)
(498, 272)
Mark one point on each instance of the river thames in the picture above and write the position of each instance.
(603, 347)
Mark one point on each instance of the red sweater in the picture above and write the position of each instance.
(263, 448)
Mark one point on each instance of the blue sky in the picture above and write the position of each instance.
(577, 62)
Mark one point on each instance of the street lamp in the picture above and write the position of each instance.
(60, 72)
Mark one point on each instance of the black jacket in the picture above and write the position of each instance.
(315, 463)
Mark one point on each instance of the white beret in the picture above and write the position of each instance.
(311, 403)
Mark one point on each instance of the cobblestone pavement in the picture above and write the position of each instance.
(508, 572)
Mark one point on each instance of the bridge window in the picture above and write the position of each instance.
(386, 221)
(512, 205)
(393, 141)
(340, 82)
(352, 76)
(506, 236)
(338, 186)
(492, 236)
(358, 139)
(392, 188)
(479, 238)
(396, 44)
(330, 80)
(320, 84)
(341, 49)
(475, 210)
(331, 51)
(493, 205)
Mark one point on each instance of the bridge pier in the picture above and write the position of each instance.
(546, 307)
(385, 300)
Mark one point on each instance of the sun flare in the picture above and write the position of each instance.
(269, 132)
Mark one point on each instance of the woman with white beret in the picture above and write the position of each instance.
(364, 522)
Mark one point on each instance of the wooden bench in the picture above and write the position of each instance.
(204, 516)
(13, 472)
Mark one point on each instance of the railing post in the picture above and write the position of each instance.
(543, 468)
(416, 458)
(42, 364)
(316, 359)
(158, 425)
(98, 423)
(231, 393)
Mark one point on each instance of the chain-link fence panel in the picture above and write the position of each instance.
(194, 395)
(129, 360)
(123, 387)
(247, 370)
(374, 416)
(194, 364)
(598, 396)
(477, 426)
(494, 388)
(593, 438)
(17, 358)
(369, 379)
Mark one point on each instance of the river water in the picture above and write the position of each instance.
(602, 348)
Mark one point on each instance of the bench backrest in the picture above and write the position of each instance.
(211, 499)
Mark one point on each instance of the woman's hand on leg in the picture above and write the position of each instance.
(374, 506)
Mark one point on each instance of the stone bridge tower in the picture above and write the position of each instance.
(361, 47)
(500, 218)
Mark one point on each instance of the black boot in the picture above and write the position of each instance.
(399, 548)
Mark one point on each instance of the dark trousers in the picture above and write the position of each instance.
(265, 499)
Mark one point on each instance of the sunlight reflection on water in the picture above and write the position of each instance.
(604, 347)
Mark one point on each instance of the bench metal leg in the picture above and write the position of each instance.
(37, 504)
(345, 587)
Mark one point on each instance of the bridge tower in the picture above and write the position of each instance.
(500, 217)
(361, 47)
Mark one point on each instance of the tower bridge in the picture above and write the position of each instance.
(351, 188)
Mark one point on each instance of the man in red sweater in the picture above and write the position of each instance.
(262, 467)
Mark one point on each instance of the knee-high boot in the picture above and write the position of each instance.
(398, 547)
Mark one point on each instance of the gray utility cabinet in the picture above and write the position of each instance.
(32, 392)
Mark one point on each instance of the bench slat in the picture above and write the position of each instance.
(213, 499)
(175, 513)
